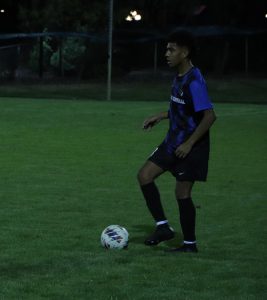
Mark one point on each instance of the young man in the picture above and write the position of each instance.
(185, 149)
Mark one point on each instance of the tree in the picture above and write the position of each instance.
(62, 15)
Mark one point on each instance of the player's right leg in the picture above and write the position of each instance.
(146, 176)
(148, 173)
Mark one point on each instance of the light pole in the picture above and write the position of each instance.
(110, 32)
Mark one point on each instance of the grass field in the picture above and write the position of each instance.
(230, 90)
(68, 169)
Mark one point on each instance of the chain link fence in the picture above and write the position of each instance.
(80, 56)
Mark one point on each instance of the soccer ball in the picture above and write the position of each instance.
(115, 237)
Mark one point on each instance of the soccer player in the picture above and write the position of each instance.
(185, 150)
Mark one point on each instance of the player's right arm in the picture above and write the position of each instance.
(152, 121)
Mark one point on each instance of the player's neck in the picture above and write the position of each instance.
(184, 67)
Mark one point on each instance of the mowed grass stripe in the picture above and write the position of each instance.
(68, 169)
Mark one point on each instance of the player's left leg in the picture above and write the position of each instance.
(187, 216)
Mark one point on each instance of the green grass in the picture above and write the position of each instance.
(236, 90)
(68, 169)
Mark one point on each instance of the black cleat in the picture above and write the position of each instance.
(162, 233)
(188, 248)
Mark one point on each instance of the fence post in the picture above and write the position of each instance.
(41, 56)
(60, 58)
(155, 57)
(246, 56)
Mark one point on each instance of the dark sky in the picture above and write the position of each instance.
(249, 14)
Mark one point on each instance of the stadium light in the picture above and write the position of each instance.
(137, 17)
(2, 11)
(133, 16)
(265, 16)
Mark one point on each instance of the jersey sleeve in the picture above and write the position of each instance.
(201, 100)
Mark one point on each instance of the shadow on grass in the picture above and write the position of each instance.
(142, 231)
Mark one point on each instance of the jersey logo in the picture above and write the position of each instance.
(177, 100)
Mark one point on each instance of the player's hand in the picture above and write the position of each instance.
(150, 122)
(183, 150)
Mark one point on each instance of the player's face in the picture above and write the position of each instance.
(175, 54)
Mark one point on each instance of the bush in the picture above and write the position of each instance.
(47, 52)
(73, 50)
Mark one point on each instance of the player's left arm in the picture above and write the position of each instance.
(208, 119)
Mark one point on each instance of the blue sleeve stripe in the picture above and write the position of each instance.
(201, 100)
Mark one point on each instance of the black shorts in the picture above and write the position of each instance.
(194, 167)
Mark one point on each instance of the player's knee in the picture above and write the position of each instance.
(182, 193)
(144, 177)
(183, 189)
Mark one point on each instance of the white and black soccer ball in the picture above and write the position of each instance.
(115, 237)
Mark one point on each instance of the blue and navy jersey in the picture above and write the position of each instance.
(189, 98)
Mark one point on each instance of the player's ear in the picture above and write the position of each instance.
(185, 52)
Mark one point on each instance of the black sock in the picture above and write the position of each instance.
(152, 197)
(187, 218)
